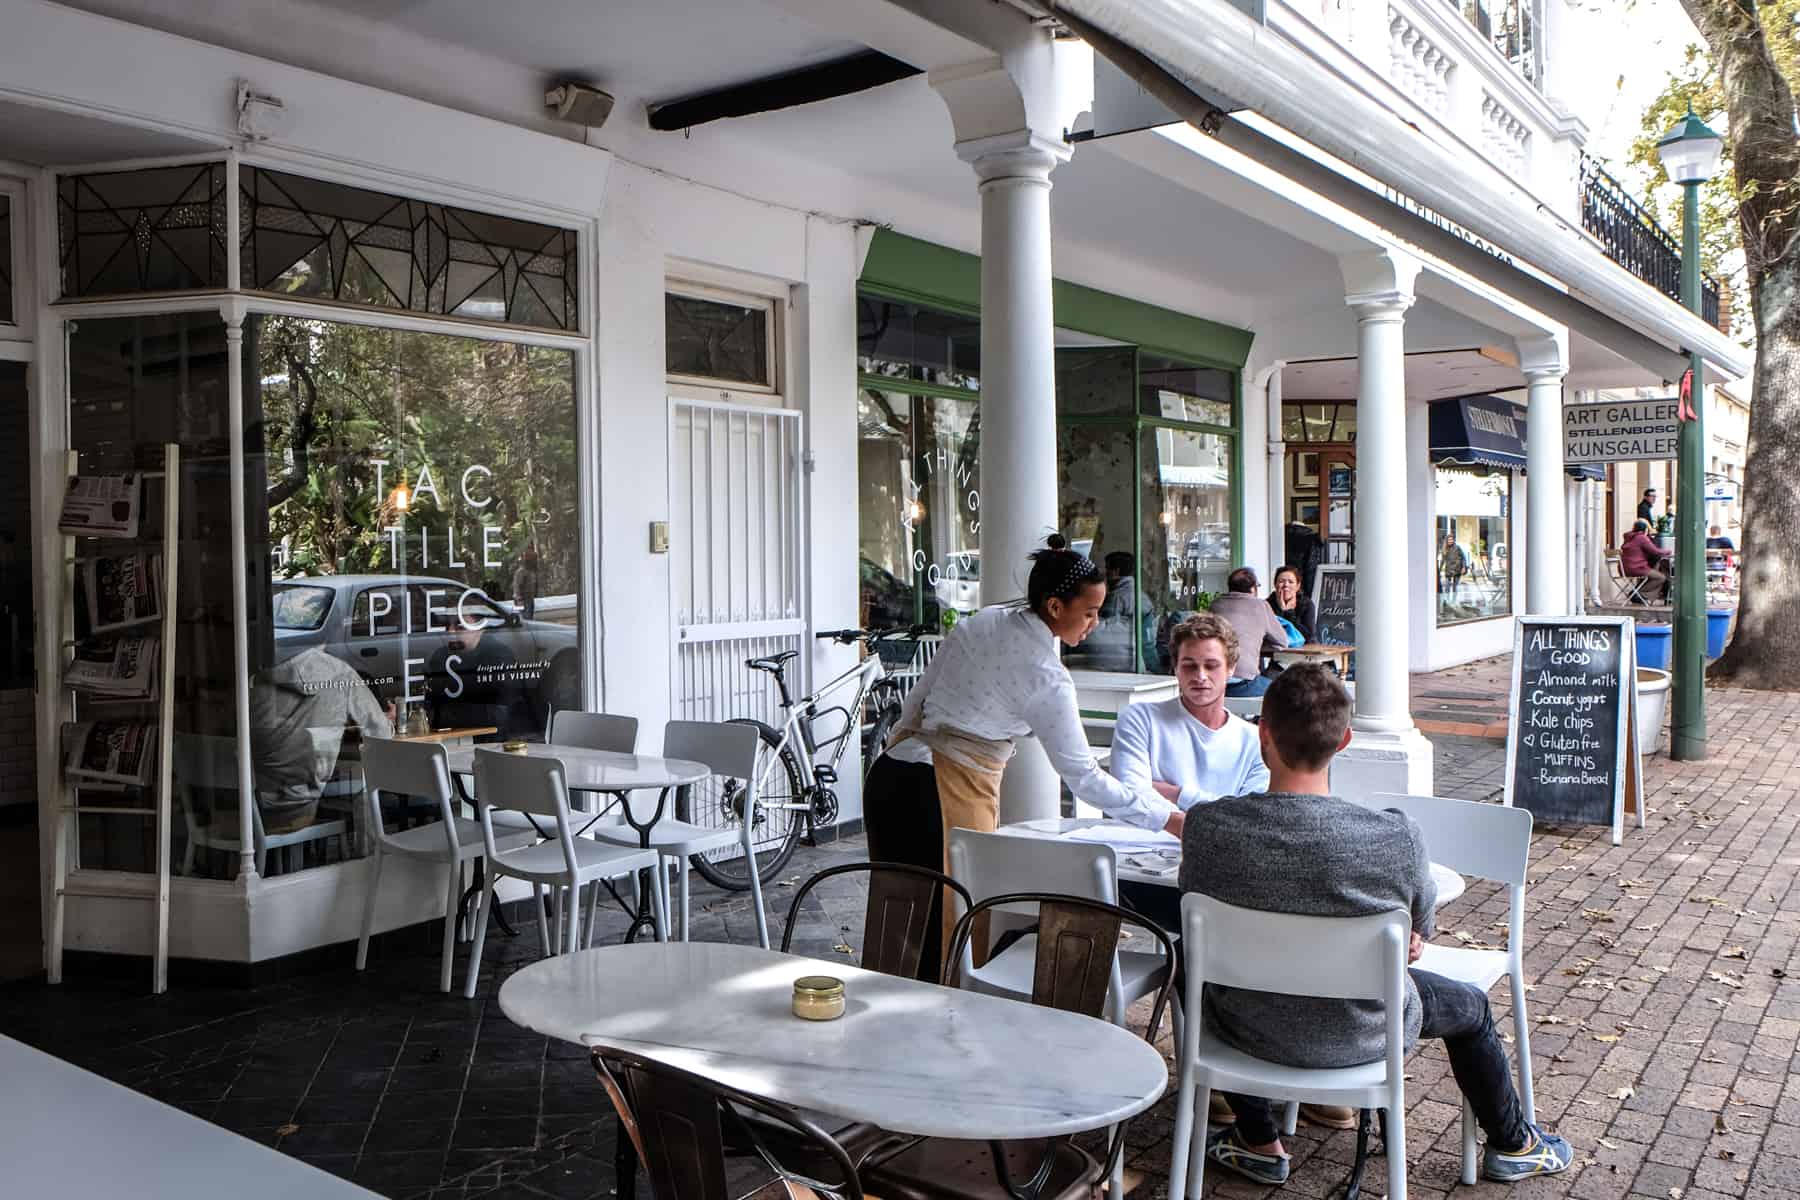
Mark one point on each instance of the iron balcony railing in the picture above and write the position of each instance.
(1635, 241)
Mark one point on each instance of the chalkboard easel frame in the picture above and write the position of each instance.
(1628, 768)
(1318, 592)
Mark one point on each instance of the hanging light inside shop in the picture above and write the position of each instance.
(401, 497)
(1167, 517)
(918, 512)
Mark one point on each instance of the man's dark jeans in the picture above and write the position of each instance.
(1458, 1013)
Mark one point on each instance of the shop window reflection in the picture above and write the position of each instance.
(1473, 551)
(1187, 541)
(920, 507)
(1098, 514)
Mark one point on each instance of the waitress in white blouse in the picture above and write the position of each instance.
(996, 678)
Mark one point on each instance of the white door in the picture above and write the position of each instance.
(736, 566)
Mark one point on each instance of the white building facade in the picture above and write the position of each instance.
(842, 308)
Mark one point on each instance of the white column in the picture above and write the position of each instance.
(1544, 362)
(1018, 356)
(1386, 753)
(240, 579)
(1379, 293)
(992, 105)
(1277, 481)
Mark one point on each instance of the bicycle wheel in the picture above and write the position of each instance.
(780, 813)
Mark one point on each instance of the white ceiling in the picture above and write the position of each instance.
(44, 137)
(1436, 375)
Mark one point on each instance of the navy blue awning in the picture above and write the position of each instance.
(1485, 432)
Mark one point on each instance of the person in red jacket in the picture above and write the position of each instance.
(1641, 558)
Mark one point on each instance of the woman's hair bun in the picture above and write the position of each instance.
(1057, 541)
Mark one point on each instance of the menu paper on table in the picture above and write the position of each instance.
(1572, 754)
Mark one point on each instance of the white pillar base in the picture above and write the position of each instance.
(1383, 761)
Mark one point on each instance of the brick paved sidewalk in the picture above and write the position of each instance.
(1666, 1004)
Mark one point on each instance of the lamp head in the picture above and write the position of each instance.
(1691, 150)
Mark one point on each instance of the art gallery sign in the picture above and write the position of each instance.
(1620, 431)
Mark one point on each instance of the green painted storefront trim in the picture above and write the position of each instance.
(910, 269)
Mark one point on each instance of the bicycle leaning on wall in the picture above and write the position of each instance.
(797, 789)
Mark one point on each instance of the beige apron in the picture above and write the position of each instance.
(968, 770)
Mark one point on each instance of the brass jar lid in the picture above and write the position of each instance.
(823, 986)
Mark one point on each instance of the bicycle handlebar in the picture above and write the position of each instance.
(847, 636)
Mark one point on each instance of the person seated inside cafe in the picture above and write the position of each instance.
(1289, 603)
(1641, 558)
(1298, 849)
(299, 711)
(1257, 630)
(1188, 749)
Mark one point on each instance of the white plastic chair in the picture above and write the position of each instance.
(209, 762)
(1341, 958)
(422, 770)
(996, 864)
(730, 750)
(537, 787)
(1489, 841)
(616, 734)
(593, 731)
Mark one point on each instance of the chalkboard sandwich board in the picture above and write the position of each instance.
(1334, 591)
(1571, 747)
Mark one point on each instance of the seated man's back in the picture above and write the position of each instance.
(1314, 856)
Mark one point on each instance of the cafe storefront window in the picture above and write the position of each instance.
(919, 462)
(1473, 545)
(411, 514)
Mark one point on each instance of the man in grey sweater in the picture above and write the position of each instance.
(1297, 849)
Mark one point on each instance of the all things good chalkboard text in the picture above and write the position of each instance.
(1572, 752)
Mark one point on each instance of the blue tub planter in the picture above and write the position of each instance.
(1653, 646)
(1718, 630)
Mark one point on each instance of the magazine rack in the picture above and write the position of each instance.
(127, 886)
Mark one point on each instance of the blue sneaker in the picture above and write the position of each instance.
(1545, 1154)
(1226, 1147)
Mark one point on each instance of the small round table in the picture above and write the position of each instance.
(910, 1057)
(608, 772)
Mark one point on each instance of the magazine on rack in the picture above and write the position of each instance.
(102, 505)
(121, 668)
(115, 752)
(114, 591)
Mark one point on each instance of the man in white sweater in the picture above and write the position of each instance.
(1190, 749)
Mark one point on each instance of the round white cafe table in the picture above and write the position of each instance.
(597, 770)
(911, 1057)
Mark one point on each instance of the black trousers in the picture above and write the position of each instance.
(905, 825)
(1459, 1014)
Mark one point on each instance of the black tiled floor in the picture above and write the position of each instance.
(378, 1077)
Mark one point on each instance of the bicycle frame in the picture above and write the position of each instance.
(797, 727)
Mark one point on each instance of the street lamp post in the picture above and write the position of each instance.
(1690, 154)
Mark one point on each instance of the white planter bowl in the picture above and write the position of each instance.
(1653, 699)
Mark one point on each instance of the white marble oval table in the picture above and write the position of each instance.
(908, 1056)
(597, 770)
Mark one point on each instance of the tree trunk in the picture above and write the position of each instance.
(1765, 651)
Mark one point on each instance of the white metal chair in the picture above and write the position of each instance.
(1489, 841)
(998, 864)
(206, 762)
(537, 787)
(1343, 958)
(730, 750)
(422, 770)
(1629, 587)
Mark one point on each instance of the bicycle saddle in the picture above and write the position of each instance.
(773, 662)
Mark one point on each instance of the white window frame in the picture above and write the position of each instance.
(16, 334)
(703, 387)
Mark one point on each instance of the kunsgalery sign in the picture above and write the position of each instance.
(1621, 431)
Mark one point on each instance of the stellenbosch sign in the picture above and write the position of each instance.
(1621, 431)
